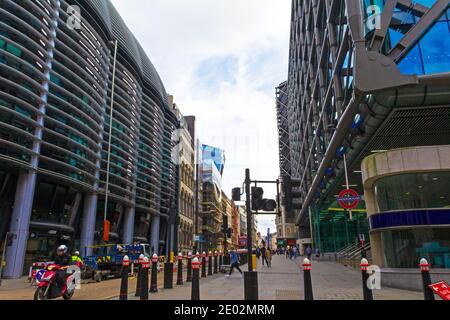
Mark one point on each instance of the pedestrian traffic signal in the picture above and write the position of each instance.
(257, 198)
(290, 198)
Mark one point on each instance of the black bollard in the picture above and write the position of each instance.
(367, 293)
(139, 276)
(204, 265)
(307, 280)
(428, 293)
(189, 268)
(144, 279)
(215, 262)
(168, 275)
(154, 284)
(220, 260)
(195, 288)
(250, 285)
(180, 269)
(210, 264)
(124, 278)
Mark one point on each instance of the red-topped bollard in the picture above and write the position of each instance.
(307, 279)
(124, 278)
(139, 276)
(189, 267)
(215, 261)
(210, 263)
(426, 279)
(144, 281)
(195, 288)
(204, 264)
(154, 284)
(180, 269)
(367, 293)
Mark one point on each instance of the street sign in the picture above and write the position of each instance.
(442, 289)
(348, 199)
(243, 241)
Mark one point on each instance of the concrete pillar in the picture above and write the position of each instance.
(154, 233)
(128, 226)
(376, 249)
(20, 224)
(88, 224)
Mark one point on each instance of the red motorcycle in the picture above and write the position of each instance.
(48, 288)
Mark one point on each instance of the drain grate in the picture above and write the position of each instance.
(288, 294)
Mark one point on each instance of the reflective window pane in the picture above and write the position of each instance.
(412, 191)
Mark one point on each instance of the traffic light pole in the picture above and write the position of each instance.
(249, 219)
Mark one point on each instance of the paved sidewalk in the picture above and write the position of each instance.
(284, 281)
(333, 281)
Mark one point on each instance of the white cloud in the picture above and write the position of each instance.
(179, 36)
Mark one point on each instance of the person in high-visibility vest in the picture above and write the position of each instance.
(76, 260)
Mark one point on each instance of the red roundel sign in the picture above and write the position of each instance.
(348, 199)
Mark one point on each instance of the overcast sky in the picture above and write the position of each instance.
(221, 60)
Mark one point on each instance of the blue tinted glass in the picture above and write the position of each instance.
(394, 37)
(427, 3)
(435, 48)
(412, 63)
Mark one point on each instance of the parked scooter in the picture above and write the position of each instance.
(47, 287)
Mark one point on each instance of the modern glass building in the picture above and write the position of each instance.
(286, 230)
(364, 76)
(72, 106)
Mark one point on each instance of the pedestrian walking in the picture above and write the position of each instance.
(317, 254)
(295, 252)
(263, 254)
(258, 253)
(287, 251)
(308, 252)
(269, 258)
(234, 259)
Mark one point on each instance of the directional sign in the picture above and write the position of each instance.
(348, 199)
(442, 289)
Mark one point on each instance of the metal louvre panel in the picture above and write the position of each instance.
(55, 87)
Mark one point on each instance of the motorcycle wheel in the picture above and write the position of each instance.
(68, 295)
(39, 294)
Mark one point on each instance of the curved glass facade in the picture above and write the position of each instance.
(404, 248)
(413, 191)
(56, 84)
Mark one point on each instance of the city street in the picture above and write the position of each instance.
(283, 281)
(137, 134)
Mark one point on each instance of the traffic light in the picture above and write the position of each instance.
(229, 230)
(9, 239)
(269, 205)
(225, 223)
(290, 197)
(257, 198)
(236, 194)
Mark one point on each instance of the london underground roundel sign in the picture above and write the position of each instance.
(348, 199)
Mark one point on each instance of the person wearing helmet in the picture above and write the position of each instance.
(76, 260)
(61, 259)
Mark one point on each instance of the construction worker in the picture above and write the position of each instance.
(76, 260)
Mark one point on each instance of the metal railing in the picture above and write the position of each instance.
(350, 255)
